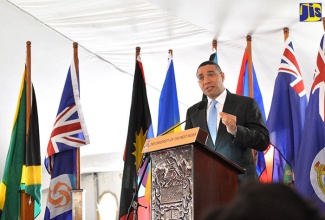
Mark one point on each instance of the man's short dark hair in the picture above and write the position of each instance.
(210, 63)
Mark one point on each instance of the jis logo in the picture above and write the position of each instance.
(310, 12)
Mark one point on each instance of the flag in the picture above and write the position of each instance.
(309, 169)
(140, 128)
(168, 115)
(32, 171)
(69, 132)
(22, 169)
(214, 57)
(287, 115)
(10, 184)
(243, 89)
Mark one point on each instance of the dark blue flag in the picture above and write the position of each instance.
(69, 132)
(310, 168)
(287, 115)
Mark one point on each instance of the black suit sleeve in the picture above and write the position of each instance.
(251, 130)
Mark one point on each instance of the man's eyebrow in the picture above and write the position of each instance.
(209, 71)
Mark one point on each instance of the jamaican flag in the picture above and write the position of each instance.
(21, 162)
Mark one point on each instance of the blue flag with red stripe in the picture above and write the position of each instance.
(310, 168)
(243, 89)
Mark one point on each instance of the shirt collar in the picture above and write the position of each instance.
(220, 99)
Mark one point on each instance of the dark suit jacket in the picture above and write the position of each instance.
(251, 132)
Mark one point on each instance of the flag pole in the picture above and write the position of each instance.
(137, 53)
(77, 194)
(250, 78)
(214, 45)
(28, 85)
(75, 57)
(250, 65)
(134, 202)
(27, 201)
(285, 33)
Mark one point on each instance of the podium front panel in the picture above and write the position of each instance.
(172, 183)
(188, 180)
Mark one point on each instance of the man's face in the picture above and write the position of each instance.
(210, 81)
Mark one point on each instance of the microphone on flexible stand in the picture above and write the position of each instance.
(200, 106)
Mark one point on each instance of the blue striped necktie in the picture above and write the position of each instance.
(212, 121)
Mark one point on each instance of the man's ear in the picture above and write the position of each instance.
(222, 76)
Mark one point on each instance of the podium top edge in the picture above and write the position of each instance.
(175, 139)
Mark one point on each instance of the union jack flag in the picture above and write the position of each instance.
(319, 78)
(69, 129)
(309, 172)
(286, 117)
(69, 132)
(290, 65)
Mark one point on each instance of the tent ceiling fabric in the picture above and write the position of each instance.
(108, 33)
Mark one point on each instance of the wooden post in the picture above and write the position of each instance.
(28, 85)
(250, 78)
(214, 45)
(285, 33)
(76, 63)
(27, 201)
(133, 209)
(76, 194)
(137, 52)
(77, 204)
(250, 66)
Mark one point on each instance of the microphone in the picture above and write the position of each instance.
(200, 106)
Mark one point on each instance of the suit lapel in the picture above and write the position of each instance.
(202, 119)
(202, 123)
(228, 108)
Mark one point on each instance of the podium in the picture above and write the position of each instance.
(187, 177)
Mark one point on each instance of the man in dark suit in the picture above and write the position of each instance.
(240, 126)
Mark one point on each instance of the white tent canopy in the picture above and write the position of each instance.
(108, 31)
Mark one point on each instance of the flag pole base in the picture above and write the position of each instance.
(77, 204)
(27, 206)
